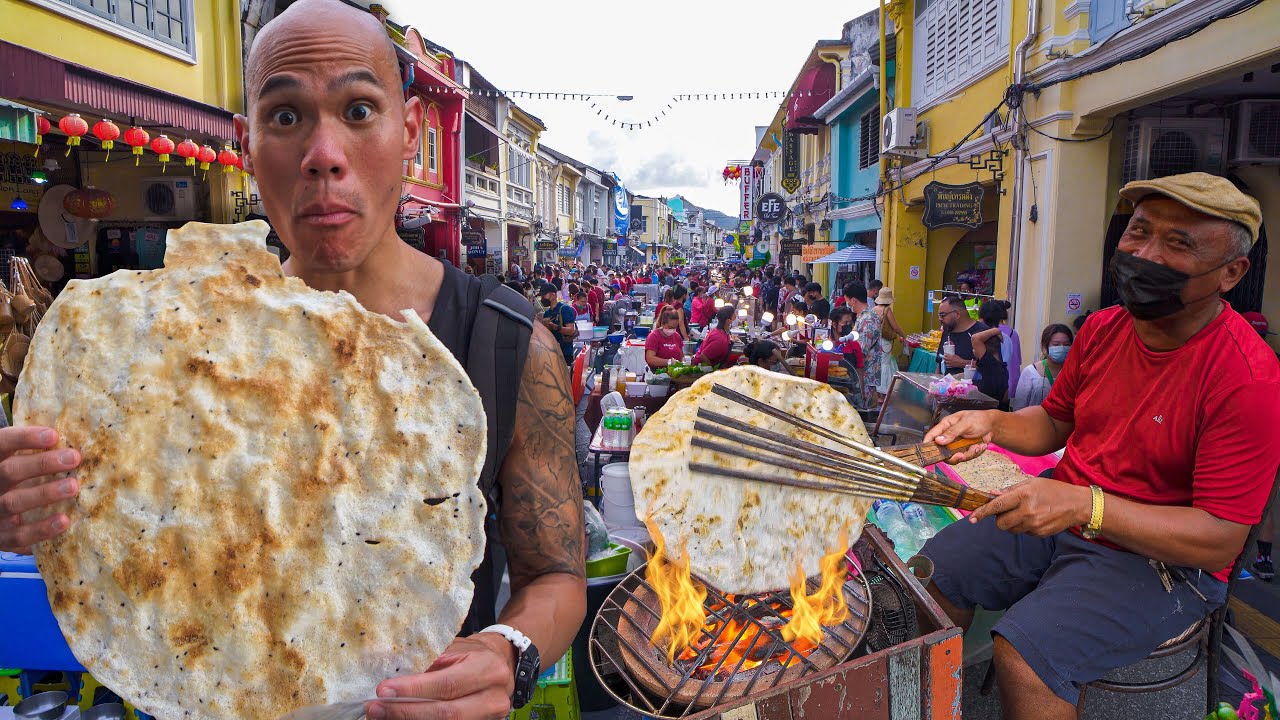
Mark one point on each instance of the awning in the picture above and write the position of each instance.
(815, 88)
(851, 254)
(29, 76)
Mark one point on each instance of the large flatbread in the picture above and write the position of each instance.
(279, 503)
(744, 536)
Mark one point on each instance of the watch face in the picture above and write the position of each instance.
(526, 677)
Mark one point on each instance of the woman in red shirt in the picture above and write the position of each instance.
(715, 347)
(664, 343)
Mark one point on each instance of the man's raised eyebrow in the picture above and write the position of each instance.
(352, 77)
(279, 82)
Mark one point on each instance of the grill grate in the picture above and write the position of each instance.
(638, 675)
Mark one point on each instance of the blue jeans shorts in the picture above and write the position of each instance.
(1076, 610)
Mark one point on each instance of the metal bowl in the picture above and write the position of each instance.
(105, 711)
(42, 706)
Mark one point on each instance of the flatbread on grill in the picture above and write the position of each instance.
(744, 536)
(279, 504)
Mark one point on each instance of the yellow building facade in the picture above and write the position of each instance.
(1050, 106)
(179, 74)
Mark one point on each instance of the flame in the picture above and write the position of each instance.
(683, 614)
(688, 624)
(827, 605)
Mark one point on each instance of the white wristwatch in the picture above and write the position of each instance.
(527, 666)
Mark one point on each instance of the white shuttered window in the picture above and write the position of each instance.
(957, 41)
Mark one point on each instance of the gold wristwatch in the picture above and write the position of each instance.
(1094, 529)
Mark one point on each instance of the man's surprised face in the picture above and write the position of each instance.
(327, 135)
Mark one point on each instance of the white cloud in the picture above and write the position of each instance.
(650, 51)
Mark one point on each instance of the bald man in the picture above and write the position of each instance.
(326, 136)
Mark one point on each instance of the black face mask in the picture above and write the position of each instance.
(546, 302)
(1149, 290)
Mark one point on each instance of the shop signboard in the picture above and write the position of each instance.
(546, 244)
(15, 179)
(952, 205)
(748, 193)
(475, 243)
(415, 239)
(790, 162)
(770, 208)
(792, 246)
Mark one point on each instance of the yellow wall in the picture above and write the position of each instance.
(215, 79)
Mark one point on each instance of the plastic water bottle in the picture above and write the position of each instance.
(889, 518)
(918, 521)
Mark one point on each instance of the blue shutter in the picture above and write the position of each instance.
(1106, 17)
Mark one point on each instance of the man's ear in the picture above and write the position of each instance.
(413, 114)
(1234, 272)
(241, 124)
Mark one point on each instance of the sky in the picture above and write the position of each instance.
(649, 50)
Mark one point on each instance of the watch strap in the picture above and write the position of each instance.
(514, 636)
(1094, 528)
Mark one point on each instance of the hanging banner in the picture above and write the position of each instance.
(748, 194)
(790, 162)
(621, 209)
(475, 243)
(952, 205)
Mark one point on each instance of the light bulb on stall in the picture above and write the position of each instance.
(719, 303)
(827, 345)
(742, 312)
(786, 336)
(747, 291)
(766, 318)
(791, 319)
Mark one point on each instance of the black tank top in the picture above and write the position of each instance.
(454, 313)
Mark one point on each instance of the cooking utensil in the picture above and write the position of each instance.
(353, 710)
(105, 711)
(42, 706)
(870, 473)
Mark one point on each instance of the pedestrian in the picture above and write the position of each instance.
(1037, 377)
(957, 331)
(890, 330)
(867, 325)
(558, 317)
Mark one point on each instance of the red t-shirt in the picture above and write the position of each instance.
(667, 347)
(595, 298)
(1193, 426)
(715, 348)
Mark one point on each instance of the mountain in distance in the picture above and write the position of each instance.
(721, 220)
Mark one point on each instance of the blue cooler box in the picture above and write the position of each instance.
(29, 637)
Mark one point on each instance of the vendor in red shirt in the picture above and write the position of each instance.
(1167, 409)
(664, 343)
(715, 346)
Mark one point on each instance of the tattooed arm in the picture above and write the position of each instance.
(542, 532)
(541, 513)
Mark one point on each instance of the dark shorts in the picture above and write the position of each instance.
(1076, 610)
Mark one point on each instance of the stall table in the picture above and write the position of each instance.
(593, 414)
(923, 361)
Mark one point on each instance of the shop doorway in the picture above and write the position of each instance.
(974, 259)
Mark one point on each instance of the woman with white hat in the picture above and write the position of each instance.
(890, 330)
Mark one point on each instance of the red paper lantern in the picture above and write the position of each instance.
(206, 156)
(136, 138)
(106, 132)
(43, 126)
(228, 159)
(162, 146)
(240, 167)
(75, 127)
(89, 203)
(188, 151)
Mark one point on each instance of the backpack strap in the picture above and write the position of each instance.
(496, 356)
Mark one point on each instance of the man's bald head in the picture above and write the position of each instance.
(307, 20)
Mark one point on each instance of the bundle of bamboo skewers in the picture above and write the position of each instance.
(862, 470)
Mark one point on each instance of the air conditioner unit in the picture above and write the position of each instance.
(1257, 130)
(1170, 146)
(168, 198)
(898, 134)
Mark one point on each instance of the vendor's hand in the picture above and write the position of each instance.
(954, 361)
(971, 424)
(15, 535)
(1039, 506)
(473, 678)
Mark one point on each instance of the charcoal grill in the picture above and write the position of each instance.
(638, 675)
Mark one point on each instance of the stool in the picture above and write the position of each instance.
(1197, 636)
